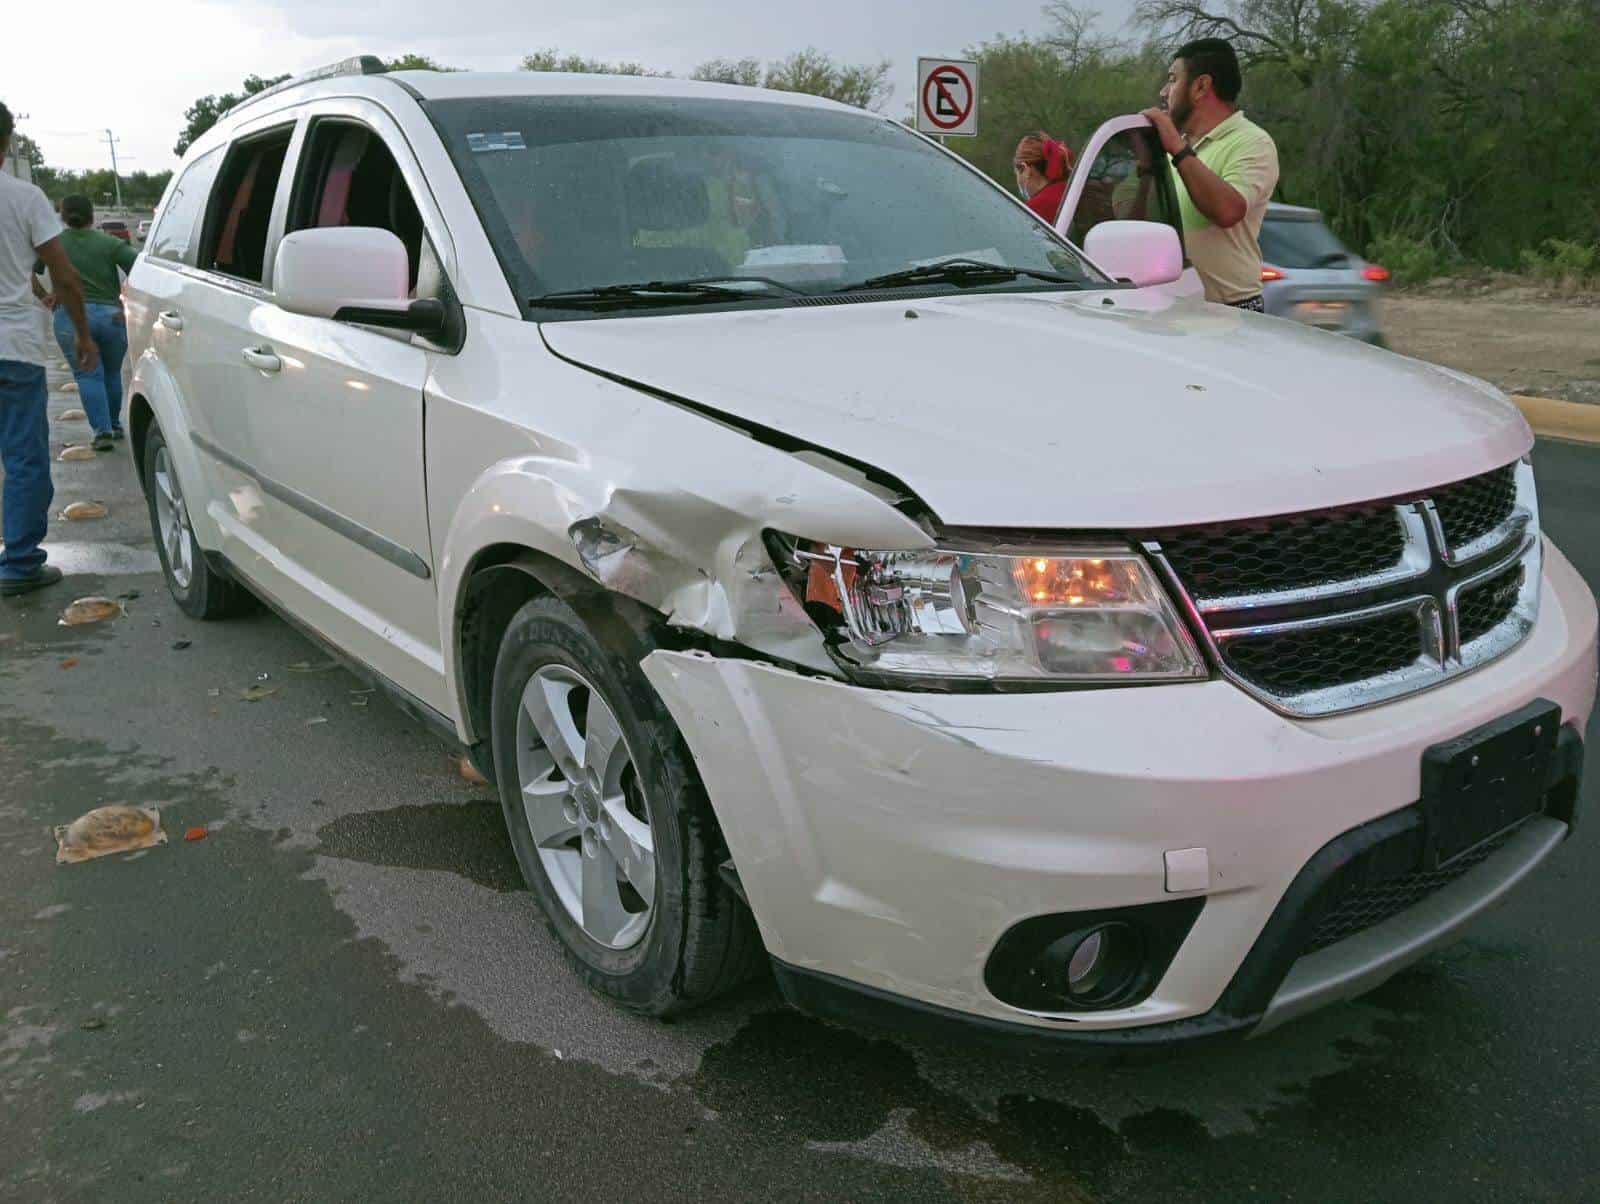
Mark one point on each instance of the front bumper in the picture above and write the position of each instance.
(886, 840)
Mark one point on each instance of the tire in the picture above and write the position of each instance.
(198, 589)
(692, 939)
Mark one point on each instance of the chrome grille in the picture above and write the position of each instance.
(1286, 553)
(1329, 610)
(1292, 662)
(1473, 508)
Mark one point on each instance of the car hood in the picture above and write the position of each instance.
(1092, 410)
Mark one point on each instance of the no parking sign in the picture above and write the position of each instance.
(947, 96)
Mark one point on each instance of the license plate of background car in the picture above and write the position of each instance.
(1322, 313)
(1488, 780)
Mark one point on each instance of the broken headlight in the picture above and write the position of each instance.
(1080, 614)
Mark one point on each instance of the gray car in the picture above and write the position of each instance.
(1307, 274)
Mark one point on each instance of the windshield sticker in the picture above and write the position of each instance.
(497, 140)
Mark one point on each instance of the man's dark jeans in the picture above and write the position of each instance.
(25, 453)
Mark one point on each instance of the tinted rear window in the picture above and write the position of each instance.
(1301, 244)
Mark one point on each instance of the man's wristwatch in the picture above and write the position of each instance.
(1182, 155)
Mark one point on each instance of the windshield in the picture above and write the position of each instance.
(1300, 244)
(581, 193)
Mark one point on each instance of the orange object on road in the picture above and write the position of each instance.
(195, 834)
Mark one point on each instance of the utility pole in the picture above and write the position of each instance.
(111, 141)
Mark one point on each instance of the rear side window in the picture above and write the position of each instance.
(235, 242)
(1301, 244)
(174, 236)
(349, 178)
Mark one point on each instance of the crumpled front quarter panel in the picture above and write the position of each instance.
(652, 500)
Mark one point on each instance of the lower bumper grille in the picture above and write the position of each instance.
(1360, 908)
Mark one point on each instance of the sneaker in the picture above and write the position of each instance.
(101, 442)
(47, 574)
(116, 433)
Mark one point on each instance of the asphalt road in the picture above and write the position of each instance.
(343, 991)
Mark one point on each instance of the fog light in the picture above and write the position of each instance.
(1088, 961)
(1101, 964)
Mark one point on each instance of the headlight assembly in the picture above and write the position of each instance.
(1081, 613)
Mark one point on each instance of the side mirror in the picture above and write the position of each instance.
(1143, 252)
(352, 274)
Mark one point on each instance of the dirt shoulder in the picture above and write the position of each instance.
(1523, 339)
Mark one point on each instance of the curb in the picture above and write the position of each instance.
(1561, 419)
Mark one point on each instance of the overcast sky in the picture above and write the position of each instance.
(76, 68)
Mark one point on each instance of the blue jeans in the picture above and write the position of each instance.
(100, 390)
(25, 454)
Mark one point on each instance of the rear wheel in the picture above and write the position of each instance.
(610, 824)
(199, 590)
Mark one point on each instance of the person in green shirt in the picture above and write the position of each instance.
(97, 256)
(1225, 168)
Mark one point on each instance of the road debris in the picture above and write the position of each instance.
(180, 645)
(118, 828)
(257, 693)
(318, 719)
(73, 416)
(213, 693)
(468, 770)
(79, 511)
(198, 832)
(312, 667)
(93, 1024)
(90, 610)
(67, 663)
(77, 451)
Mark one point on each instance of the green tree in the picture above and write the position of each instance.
(208, 110)
(730, 71)
(24, 147)
(1065, 83)
(554, 60)
(865, 85)
(416, 62)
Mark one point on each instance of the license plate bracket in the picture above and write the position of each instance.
(1485, 781)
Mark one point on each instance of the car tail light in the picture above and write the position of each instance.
(1269, 274)
(1374, 272)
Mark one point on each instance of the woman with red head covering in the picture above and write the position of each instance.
(1041, 163)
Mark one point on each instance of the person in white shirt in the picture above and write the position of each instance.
(29, 232)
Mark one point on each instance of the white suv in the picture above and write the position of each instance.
(833, 564)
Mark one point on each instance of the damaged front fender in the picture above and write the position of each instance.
(674, 525)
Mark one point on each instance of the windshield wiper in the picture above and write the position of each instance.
(662, 292)
(955, 271)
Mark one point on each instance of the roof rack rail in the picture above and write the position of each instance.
(361, 64)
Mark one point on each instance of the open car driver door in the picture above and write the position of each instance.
(1122, 174)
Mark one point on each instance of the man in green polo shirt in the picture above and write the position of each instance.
(1226, 168)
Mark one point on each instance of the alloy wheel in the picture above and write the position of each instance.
(584, 806)
(172, 520)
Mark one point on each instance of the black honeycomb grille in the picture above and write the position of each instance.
(1367, 906)
(1293, 552)
(1293, 662)
(1484, 607)
(1474, 507)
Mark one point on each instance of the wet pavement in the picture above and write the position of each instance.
(344, 992)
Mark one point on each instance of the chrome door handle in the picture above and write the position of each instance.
(171, 319)
(261, 359)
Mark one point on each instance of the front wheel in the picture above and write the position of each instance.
(198, 590)
(609, 822)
